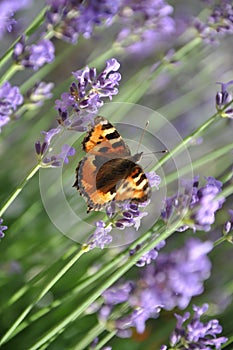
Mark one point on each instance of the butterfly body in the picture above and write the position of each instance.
(108, 172)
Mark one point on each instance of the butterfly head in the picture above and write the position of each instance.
(137, 157)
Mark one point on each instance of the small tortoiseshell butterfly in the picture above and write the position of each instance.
(108, 172)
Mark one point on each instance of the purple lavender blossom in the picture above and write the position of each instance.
(7, 10)
(119, 294)
(223, 98)
(47, 160)
(142, 303)
(40, 92)
(78, 107)
(33, 56)
(10, 99)
(66, 152)
(218, 24)
(148, 257)
(201, 203)
(90, 87)
(50, 134)
(2, 228)
(100, 237)
(169, 282)
(41, 148)
(196, 334)
(178, 276)
(154, 179)
(70, 19)
(57, 160)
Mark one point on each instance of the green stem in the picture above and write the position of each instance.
(104, 341)
(186, 140)
(219, 241)
(19, 189)
(40, 296)
(92, 334)
(197, 163)
(99, 290)
(83, 285)
(10, 72)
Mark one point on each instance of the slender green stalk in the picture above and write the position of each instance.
(92, 334)
(99, 290)
(22, 291)
(10, 72)
(186, 141)
(41, 295)
(104, 341)
(19, 189)
(83, 285)
(197, 163)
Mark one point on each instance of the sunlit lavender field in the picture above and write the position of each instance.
(140, 257)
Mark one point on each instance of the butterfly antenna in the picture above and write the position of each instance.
(163, 151)
(142, 135)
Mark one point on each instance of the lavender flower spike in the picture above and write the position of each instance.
(40, 92)
(100, 237)
(196, 334)
(10, 99)
(202, 203)
(223, 98)
(34, 56)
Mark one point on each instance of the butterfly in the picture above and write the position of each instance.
(108, 172)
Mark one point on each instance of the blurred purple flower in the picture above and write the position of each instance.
(100, 237)
(143, 305)
(178, 276)
(57, 160)
(33, 56)
(66, 152)
(148, 257)
(146, 24)
(10, 99)
(170, 282)
(70, 19)
(65, 102)
(196, 334)
(47, 160)
(154, 179)
(201, 203)
(2, 228)
(223, 98)
(7, 10)
(218, 24)
(40, 92)
(118, 294)
(203, 211)
(50, 134)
